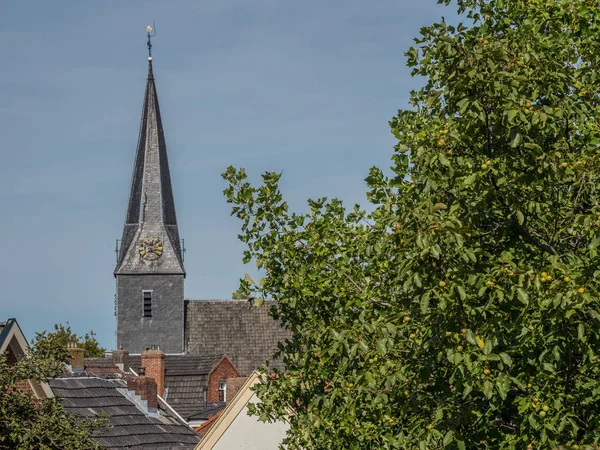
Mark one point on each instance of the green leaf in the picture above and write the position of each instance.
(511, 113)
(392, 329)
(523, 296)
(467, 390)
(520, 217)
(506, 359)
(487, 347)
(534, 424)
(445, 161)
(470, 179)
(417, 279)
(503, 385)
(488, 389)
(516, 140)
(581, 332)
(448, 438)
(471, 337)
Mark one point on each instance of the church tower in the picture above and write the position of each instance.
(150, 272)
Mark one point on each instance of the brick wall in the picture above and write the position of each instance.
(21, 385)
(145, 387)
(233, 386)
(221, 372)
(153, 361)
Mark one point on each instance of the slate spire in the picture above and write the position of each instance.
(150, 242)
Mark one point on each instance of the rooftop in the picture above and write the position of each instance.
(246, 334)
(130, 427)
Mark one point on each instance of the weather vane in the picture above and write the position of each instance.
(151, 30)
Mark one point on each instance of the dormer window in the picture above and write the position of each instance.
(147, 304)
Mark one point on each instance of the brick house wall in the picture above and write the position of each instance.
(233, 386)
(222, 371)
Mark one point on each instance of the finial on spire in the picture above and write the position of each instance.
(151, 31)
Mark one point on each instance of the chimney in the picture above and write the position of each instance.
(76, 357)
(120, 358)
(145, 387)
(153, 361)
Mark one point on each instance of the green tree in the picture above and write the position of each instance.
(88, 342)
(27, 423)
(463, 311)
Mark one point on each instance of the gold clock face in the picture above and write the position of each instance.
(150, 248)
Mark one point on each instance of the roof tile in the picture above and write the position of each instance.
(246, 334)
(129, 426)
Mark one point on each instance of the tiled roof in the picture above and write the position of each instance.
(129, 426)
(98, 362)
(185, 388)
(102, 366)
(197, 410)
(186, 378)
(182, 364)
(247, 335)
(203, 428)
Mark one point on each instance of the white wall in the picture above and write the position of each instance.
(248, 433)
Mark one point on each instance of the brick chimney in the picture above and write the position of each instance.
(145, 387)
(153, 360)
(120, 358)
(76, 354)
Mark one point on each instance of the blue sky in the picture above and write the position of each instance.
(306, 88)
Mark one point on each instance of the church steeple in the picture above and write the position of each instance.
(150, 242)
(150, 274)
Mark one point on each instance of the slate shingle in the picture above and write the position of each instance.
(129, 426)
(247, 335)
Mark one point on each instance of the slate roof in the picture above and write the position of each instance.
(185, 388)
(198, 411)
(151, 208)
(130, 427)
(5, 328)
(101, 366)
(186, 378)
(246, 334)
(182, 364)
